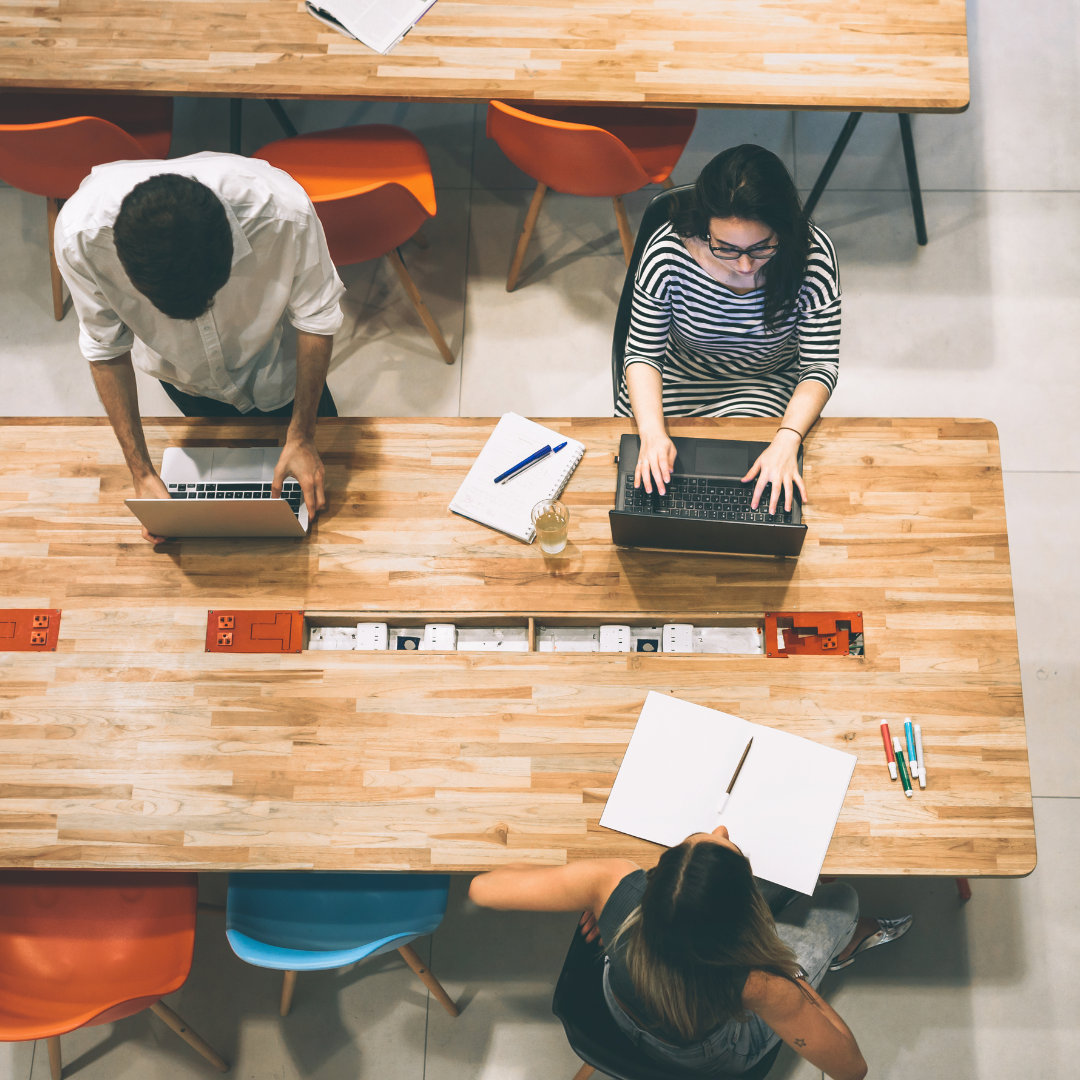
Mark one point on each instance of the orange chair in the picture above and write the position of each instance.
(79, 948)
(372, 189)
(585, 151)
(50, 142)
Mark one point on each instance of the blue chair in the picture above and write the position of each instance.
(313, 921)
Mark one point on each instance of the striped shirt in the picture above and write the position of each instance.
(711, 345)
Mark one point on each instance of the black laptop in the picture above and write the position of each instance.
(705, 507)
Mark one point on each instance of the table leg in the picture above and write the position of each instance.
(912, 178)
(235, 118)
(830, 164)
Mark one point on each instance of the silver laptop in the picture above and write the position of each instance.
(222, 491)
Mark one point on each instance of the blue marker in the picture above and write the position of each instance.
(527, 463)
(913, 761)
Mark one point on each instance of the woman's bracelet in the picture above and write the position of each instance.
(784, 427)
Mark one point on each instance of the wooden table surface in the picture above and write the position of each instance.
(132, 747)
(887, 55)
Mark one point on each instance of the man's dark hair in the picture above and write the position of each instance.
(174, 242)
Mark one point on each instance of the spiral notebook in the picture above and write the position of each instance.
(507, 507)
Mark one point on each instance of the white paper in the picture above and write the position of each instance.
(379, 24)
(783, 809)
(507, 506)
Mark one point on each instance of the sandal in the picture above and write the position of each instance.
(888, 930)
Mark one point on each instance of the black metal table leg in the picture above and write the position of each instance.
(235, 133)
(282, 117)
(830, 164)
(912, 177)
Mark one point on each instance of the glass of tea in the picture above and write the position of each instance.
(550, 518)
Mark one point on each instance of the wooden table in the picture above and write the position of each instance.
(130, 746)
(888, 55)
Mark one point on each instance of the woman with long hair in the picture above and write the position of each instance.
(736, 312)
(705, 966)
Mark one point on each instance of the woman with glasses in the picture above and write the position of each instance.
(736, 312)
(706, 967)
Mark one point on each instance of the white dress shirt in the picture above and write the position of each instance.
(242, 350)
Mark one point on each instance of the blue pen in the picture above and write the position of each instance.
(913, 761)
(531, 460)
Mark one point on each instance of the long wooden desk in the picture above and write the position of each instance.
(890, 55)
(130, 746)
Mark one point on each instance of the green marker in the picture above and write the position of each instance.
(898, 750)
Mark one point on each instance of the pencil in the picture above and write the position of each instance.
(735, 776)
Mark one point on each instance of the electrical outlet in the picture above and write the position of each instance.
(225, 622)
(224, 638)
(40, 620)
(38, 637)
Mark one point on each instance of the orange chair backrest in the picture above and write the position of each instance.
(102, 936)
(576, 159)
(53, 158)
(369, 224)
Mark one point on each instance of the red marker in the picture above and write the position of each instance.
(890, 757)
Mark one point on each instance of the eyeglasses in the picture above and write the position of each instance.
(765, 250)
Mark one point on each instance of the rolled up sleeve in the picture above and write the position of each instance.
(315, 300)
(102, 333)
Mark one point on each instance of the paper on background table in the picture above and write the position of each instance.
(507, 507)
(782, 812)
(379, 24)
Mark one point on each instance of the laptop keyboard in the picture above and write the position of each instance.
(290, 492)
(705, 499)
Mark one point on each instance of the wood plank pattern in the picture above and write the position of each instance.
(131, 746)
(878, 54)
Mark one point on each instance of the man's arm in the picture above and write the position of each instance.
(299, 457)
(115, 382)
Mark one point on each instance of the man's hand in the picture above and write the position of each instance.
(300, 459)
(778, 465)
(151, 487)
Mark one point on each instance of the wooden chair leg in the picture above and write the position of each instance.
(52, 207)
(667, 182)
(625, 235)
(584, 1072)
(526, 235)
(288, 985)
(963, 889)
(410, 957)
(421, 308)
(56, 1067)
(193, 1039)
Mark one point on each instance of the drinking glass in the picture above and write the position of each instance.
(550, 518)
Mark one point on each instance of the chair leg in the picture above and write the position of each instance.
(912, 178)
(56, 1067)
(410, 957)
(584, 1072)
(418, 302)
(625, 235)
(667, 183)
(963, 889)
(288, 985)
(526, 234)
(194, 1040)
(52, 207)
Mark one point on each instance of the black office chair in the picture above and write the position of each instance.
(594, 1036)
(656, 214)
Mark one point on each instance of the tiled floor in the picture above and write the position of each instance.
(984, 321)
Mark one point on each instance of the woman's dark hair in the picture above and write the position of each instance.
(702, 927)
(751, 183)
(174, 242)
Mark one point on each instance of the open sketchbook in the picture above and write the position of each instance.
(379, 24)
(783, 809)
(507, 507)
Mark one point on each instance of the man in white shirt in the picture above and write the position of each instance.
(211, 273)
